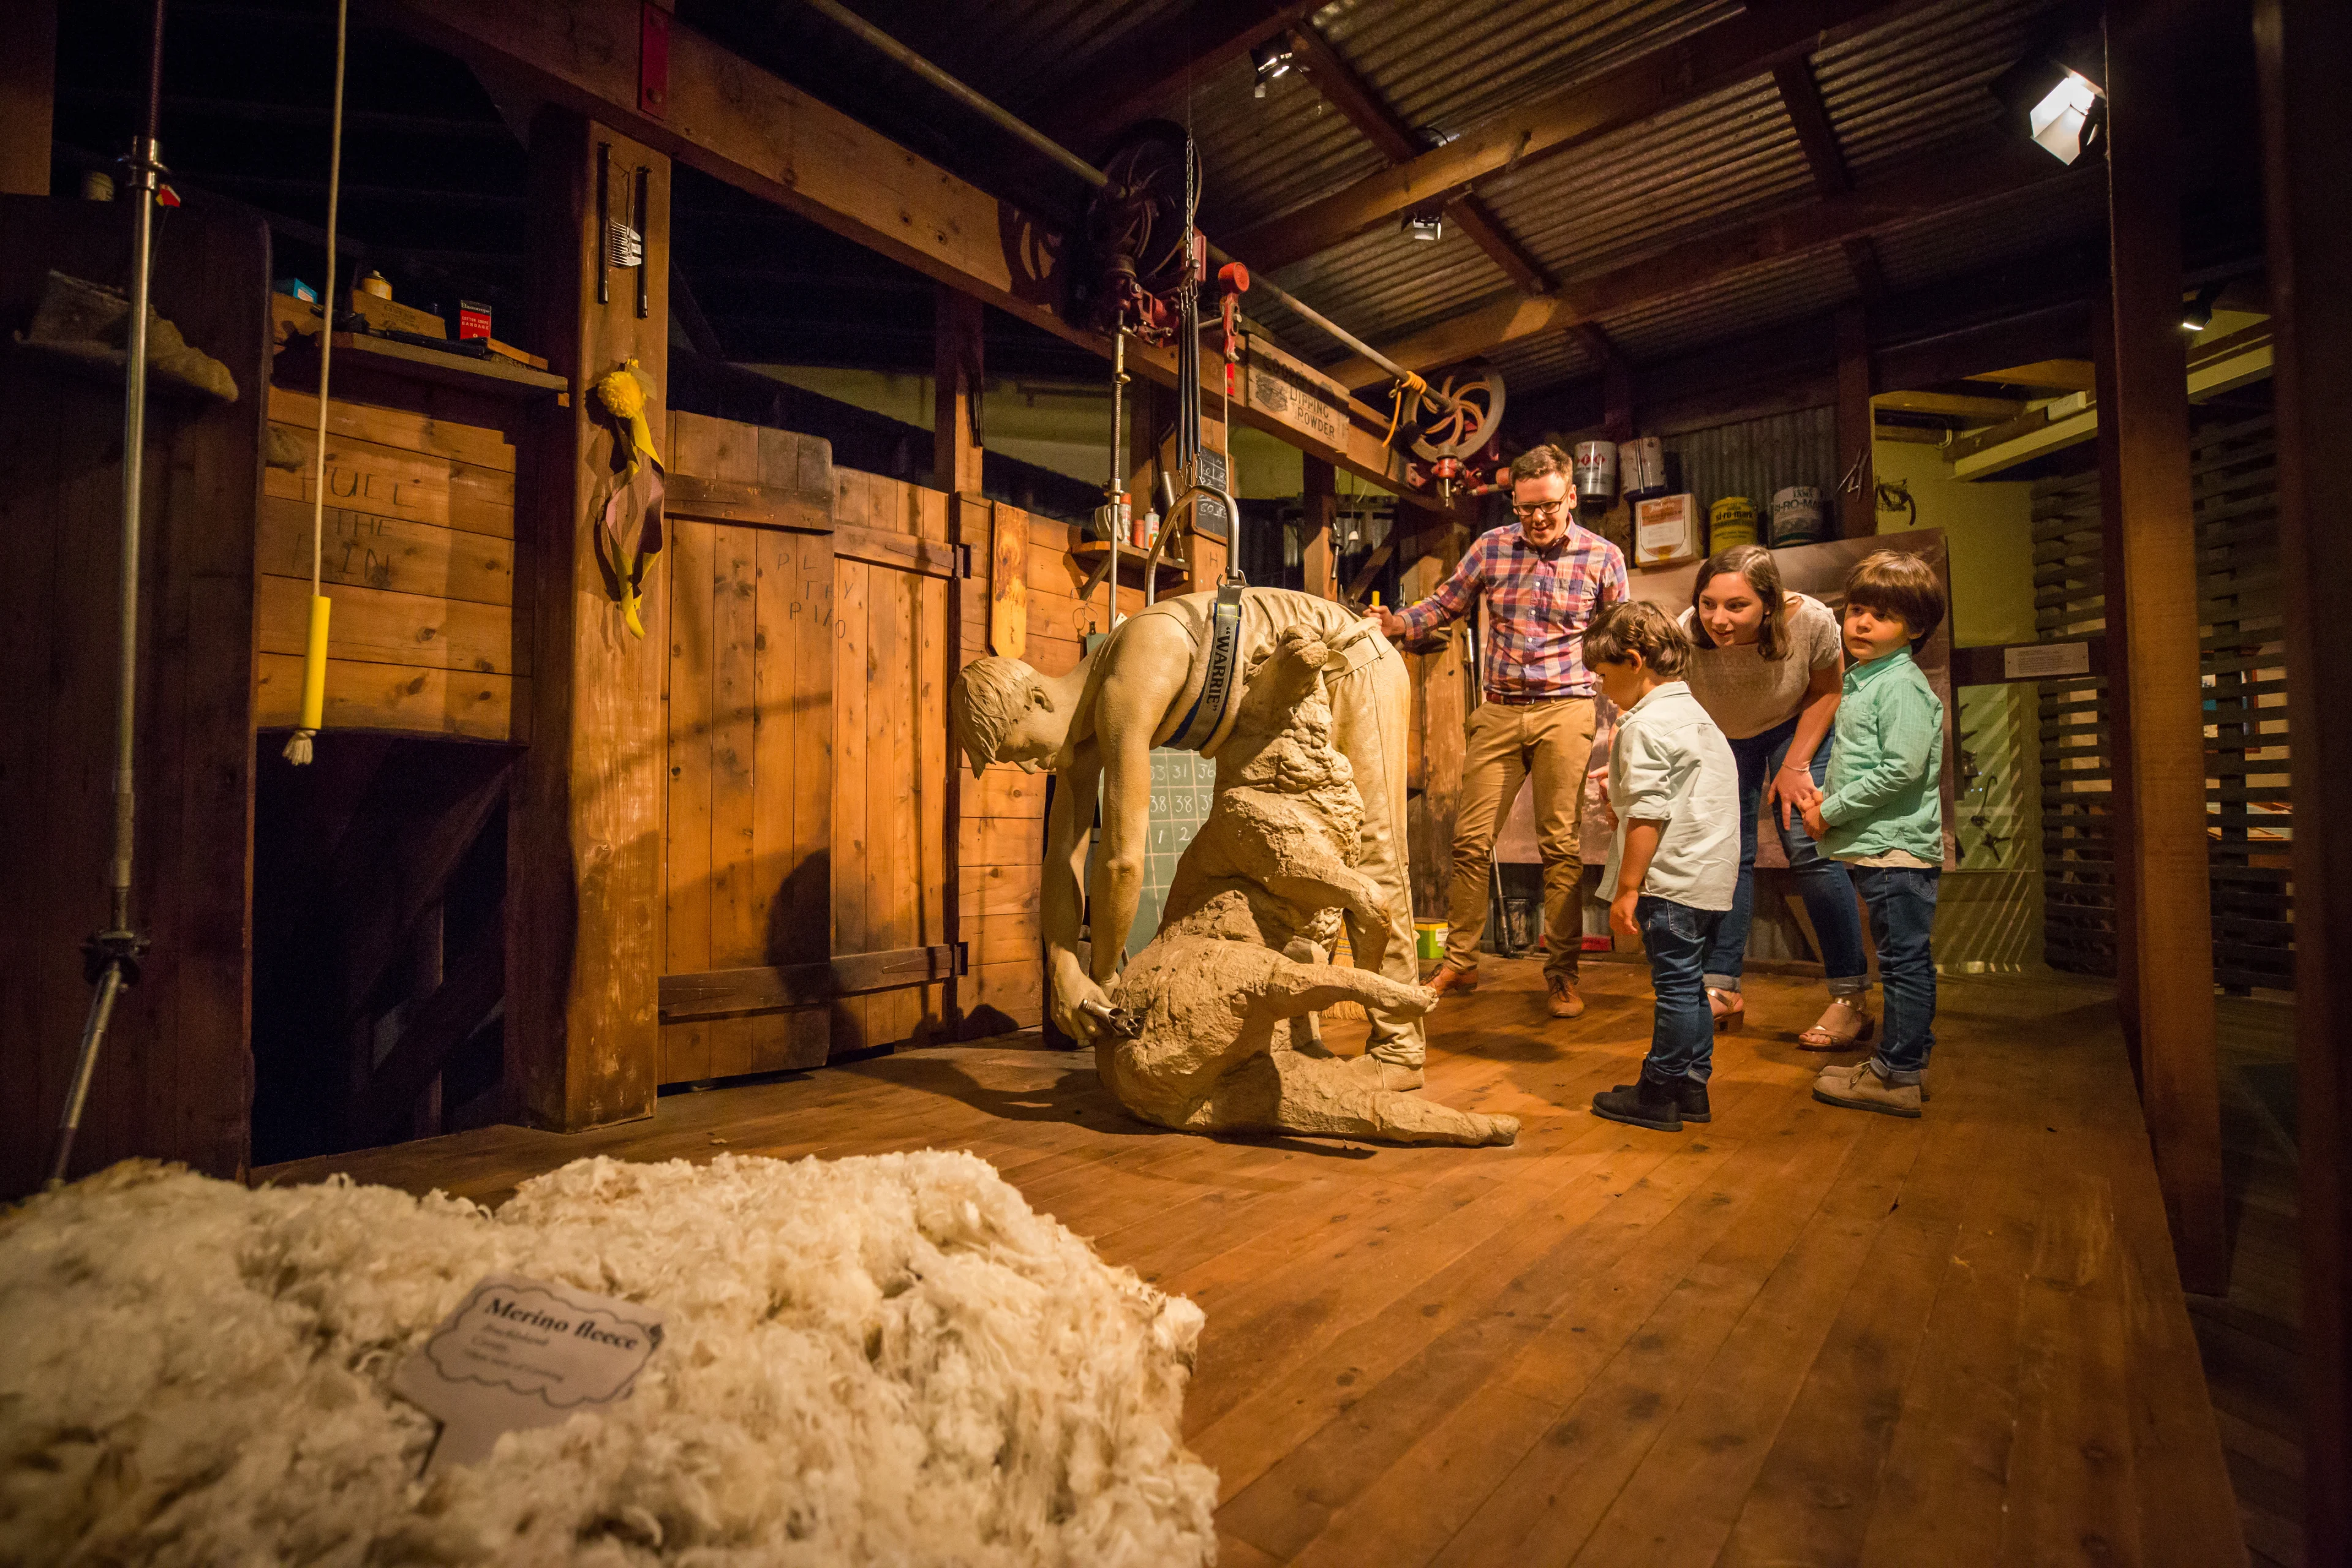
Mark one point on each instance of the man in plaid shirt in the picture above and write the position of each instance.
(1544, 582)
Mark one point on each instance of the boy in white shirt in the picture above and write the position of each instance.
(1675, 863)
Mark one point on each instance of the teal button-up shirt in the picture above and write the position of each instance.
(1885, 769)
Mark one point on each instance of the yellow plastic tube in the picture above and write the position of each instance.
(314, 665)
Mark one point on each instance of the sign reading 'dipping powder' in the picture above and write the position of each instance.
(518, 1354)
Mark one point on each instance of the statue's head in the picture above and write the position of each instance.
(1004, 713)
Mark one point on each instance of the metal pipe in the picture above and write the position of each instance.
(114, 951)
(1003, 119)
(1115, 489)
(1014, 125)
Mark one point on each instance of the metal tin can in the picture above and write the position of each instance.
(1730, 521)
(1796, 516)
(1596, 470)
(1642, 467)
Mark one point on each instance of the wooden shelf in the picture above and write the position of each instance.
(1089, 553)
(457, 370)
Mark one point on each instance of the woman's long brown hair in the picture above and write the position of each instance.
(1754, 563)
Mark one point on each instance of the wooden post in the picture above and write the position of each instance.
(585, 872)
(955, 423)
(2151, 608)
(1321, 498)
(28, 84)
(2123, 885)
(959, 363)
(1857, 497)
(1616, 398)
(2300, 47)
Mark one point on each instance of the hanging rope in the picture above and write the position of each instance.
(314, 654)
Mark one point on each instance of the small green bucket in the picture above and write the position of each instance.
(1429, 940)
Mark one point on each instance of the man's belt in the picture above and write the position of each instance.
(1524, 699)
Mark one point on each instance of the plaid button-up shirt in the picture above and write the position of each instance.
(1538, 603)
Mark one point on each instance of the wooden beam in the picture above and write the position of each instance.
(1683, 71)
(1193, 43)
(2049, 375)
(720, 992)
(1321, 498)
(1616, 381)
(28, 91)
(443, 1022)
(585, 874)
(1928, 183)
(1956, 406)
(2151, 608)
(1862, 260)
(1800, 95)
(2300, 47)
(738, 123)
(958, 365)
(1857, 497)
(1354, 96)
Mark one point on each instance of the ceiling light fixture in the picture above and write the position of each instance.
(2066, 108)
(1272, 59)
(2198, 314)
(1430, 227)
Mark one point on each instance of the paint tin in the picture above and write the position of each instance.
(1666, 531)
(1596, 470)
(1730, 521)
(1642, 467)
(1429, 940)
(1796, 516)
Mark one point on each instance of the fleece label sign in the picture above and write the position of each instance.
(520, 1352)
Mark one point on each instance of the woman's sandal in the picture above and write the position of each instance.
(1730, 1010)
(1821, 1038)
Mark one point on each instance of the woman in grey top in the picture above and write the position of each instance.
(1767, 665)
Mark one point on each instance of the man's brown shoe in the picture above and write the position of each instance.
(1449, 978)
(1565, 1001)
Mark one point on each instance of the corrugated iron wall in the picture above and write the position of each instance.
(1755, 457)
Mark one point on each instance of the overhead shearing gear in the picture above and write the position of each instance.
(1452, 422)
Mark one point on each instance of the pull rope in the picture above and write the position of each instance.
(299, 750)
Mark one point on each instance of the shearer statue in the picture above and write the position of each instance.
(1173, 675)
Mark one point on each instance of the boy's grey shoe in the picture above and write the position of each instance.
(1857, 1087)
(1644, 1103)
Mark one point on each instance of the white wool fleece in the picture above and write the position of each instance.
(887, 1360)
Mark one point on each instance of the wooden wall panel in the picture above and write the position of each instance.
(748, 819)
(176, 1080)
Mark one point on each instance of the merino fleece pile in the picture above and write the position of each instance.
(884, 1359)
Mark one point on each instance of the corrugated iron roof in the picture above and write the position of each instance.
(1922, 81)
(2017, 222)
(1785, 289)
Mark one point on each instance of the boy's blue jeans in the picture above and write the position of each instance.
(1675, 936)
(1903, 923)
(1821, 881)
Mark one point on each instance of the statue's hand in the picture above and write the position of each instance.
(1072, 988)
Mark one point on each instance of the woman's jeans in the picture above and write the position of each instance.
(1682, 1037)
(1822, 882)
(1903, 919)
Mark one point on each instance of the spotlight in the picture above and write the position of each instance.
(2198, 314)
(2066, 109)
(1430, 227)
(1272, 59)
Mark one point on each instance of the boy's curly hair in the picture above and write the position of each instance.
(1636, 626)
(1891, 582)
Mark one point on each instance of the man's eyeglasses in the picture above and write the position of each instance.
(1542, 509)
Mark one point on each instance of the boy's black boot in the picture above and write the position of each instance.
(1690, 1099)
(1644, 1103)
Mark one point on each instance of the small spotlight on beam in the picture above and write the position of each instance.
(2198, 314)
(2065, 109)
(1430, 227)
(1271, 59)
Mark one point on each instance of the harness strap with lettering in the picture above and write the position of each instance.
(1210, 717)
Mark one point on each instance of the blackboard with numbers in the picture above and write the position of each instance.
(1183, 785)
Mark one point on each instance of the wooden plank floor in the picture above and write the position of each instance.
(1797, 1336)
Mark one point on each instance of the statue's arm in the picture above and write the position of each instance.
(1152, 656)
(1062, 898)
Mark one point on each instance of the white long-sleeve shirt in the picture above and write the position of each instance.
(1671, 765)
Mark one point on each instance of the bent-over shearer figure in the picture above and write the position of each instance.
(1166, 677)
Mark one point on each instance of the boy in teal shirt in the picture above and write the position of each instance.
(1882, 813)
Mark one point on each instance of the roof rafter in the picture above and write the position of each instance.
(1381, 125)
(1715, 58)
(1800, 95)
(1947, 177)
(1198, 40)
